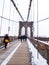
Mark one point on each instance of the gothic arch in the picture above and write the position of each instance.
(26, 25)
(23, 30)
(28, 30)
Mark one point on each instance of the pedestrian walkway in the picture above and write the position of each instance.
(21, 56)
(4, 53)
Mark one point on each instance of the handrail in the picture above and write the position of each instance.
(43, 45)
(41, 42)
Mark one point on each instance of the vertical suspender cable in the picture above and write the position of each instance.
(9, 19)
(33, 10)
(37, 28)
(15, 28)
(2, 16)
(33, 18)
(12, 22)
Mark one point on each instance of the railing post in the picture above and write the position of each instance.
(48, 55)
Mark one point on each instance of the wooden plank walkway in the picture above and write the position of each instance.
(4, 53)
(21, 56)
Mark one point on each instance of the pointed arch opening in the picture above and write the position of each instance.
(28, 32)
(23, 31)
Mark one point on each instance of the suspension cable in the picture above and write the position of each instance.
(17, 22)
(9, 18)
(37, 31)
(2, 16)
(43, 19)
(33, 10)
(12, 22)
(17, 9)
(37, 18)
(29, 9)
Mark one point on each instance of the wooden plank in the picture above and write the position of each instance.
(21, 56)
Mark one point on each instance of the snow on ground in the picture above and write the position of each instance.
(36, 58)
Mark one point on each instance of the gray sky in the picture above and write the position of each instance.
(43, 12)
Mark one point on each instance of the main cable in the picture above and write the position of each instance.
(17, 9)
(29, 10)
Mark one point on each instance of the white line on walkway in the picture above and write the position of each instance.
(9, 57)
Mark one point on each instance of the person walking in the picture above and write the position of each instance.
(6, 40)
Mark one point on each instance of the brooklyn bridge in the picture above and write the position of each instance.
(29, 39)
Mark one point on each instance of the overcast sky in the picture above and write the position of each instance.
(43, 12)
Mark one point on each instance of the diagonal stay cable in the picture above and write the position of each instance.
(29, 9)
(7, 19)
(43, 19)
(17, 22)
(17, 9)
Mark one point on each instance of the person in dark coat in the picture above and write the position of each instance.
(6, 40)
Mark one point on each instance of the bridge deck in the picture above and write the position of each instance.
(21, 56)
(4, 53)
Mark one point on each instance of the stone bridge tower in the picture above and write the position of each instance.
(26, 25)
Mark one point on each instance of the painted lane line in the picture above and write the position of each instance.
(9, 57)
